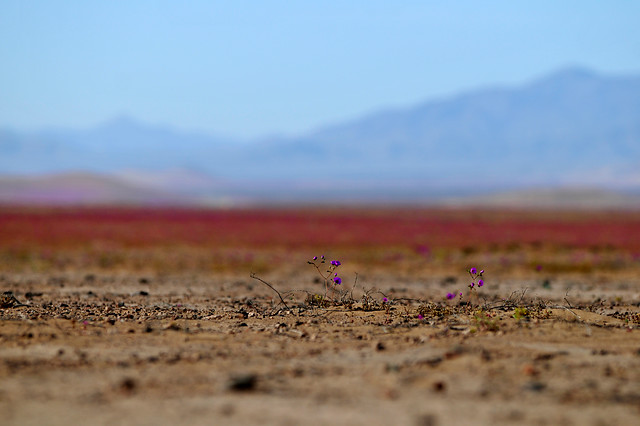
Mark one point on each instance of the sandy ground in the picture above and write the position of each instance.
(121, 348)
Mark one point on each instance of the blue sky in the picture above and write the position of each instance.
(256, 68)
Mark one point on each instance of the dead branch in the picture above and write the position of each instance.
(255, 277)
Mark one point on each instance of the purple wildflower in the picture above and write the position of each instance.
(473, 271)
(420, 316)
(460, 294)
(450, 296)
(336, 263)
(385, 300)
(315, 257)
(481, 272)
(337, 280)
(480, 283)
(471, 285)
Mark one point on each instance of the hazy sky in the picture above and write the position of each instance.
(250, 68)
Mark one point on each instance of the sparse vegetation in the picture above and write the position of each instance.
(131, 318)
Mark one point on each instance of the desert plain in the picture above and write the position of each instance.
(181, 316)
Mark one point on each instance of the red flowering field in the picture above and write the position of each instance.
(295, 228)
(253, 237)
(200, 316)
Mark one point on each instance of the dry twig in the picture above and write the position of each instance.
(255, 277)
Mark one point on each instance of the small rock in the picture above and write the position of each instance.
(30, 295)
(485, 355)
(128, 385)
(530, 370)
(535, 386)
(431, 361)
(243, 382)
(173, 326)
(439, 386)
(454, 352)
(7, 300)
(544, 356)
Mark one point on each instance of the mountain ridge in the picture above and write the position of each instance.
(553, 131)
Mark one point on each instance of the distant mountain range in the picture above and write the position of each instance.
(573, 128)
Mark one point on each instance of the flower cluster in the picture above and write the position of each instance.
(476, 282)
(475, 275)
(329, 274)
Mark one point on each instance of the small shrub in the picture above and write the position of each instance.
(486, 321)
(521, 313)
